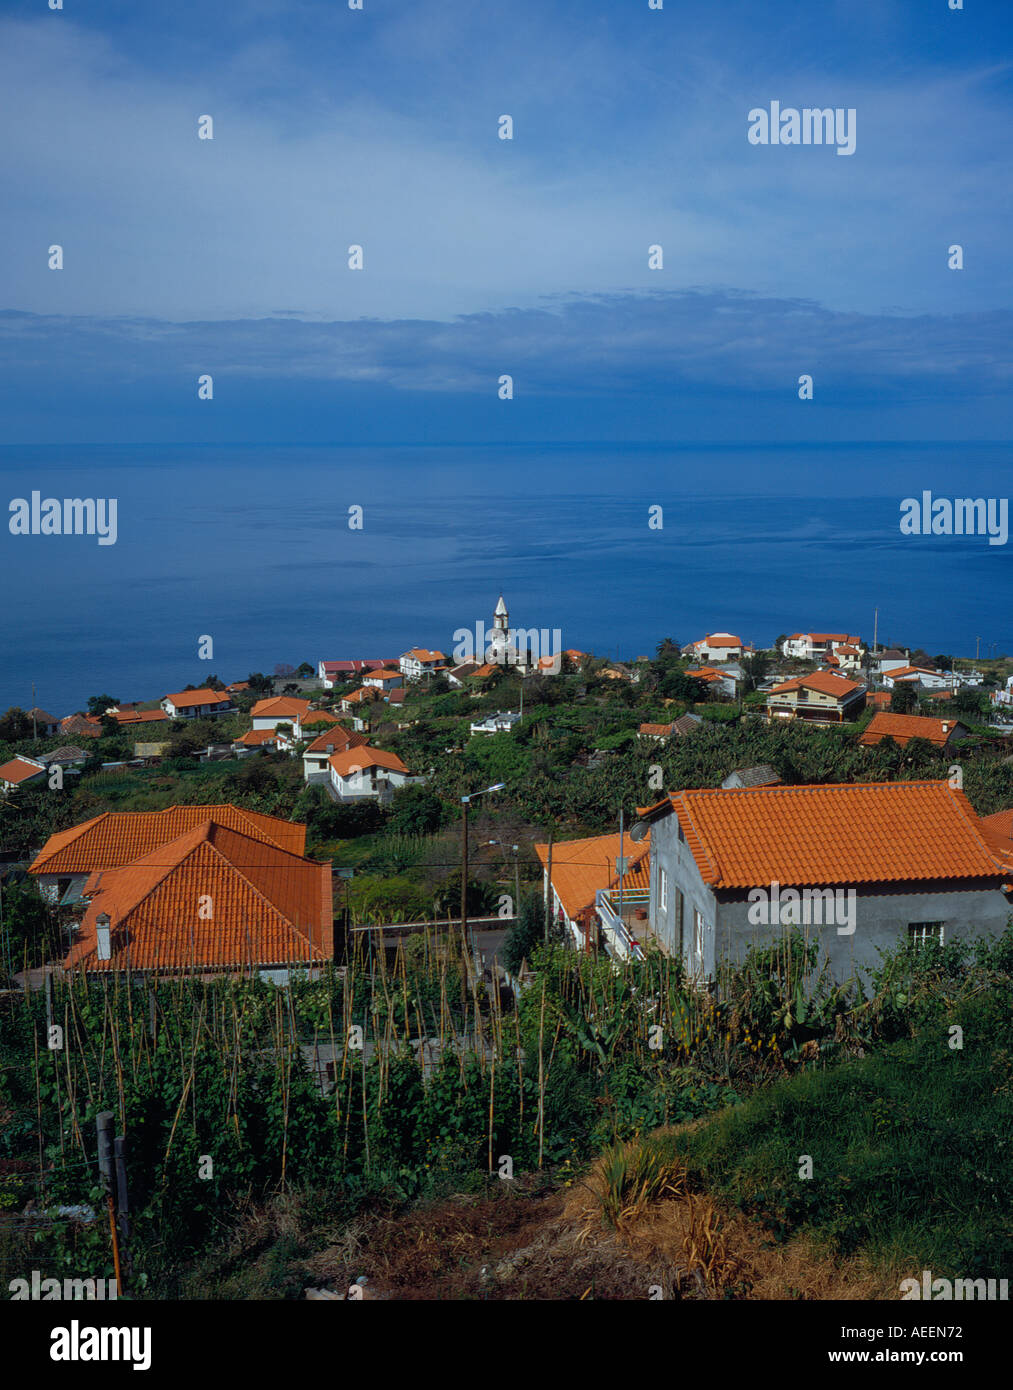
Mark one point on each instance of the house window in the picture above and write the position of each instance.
(664, 891)
(922, 933)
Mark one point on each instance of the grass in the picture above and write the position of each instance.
(910, 1152)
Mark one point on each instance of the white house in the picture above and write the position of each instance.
(384, 680)
(817, 646)
(917, 675)
(19, 771)
(716, 646)
(502, 722)
(197, 704)
(415, 663)
(316, 755)
(892, 659)
(334, 673)
(283, 709)
(365, 773)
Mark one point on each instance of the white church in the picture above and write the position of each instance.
(499, 645)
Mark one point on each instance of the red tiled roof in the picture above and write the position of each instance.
(421, 654)
(824, 681)
(353, 668)
(267, 906)
(852, 832)
(655, 730)
(365, 692)
(141, 716)
(383, 675)
(319, 718)
(184, 698)
(79, 724)
(341, 739)
(362, 757)
(114, 838)
(910, 671)
(19, 770)
(280, 707)
(903, 727)
(581, 867)
(256, 738)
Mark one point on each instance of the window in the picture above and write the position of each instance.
(663, 889)
(922, 933)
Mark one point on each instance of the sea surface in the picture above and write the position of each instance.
(250, 545)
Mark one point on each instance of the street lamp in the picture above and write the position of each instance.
(465, 803)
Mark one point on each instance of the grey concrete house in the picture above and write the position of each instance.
(863, 866)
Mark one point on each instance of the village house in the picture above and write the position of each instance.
(470, 670)
(584, 891)
(316, 755)
(68, 756)
(717, 682)
(502, 722)
(80, 726)
(902, 728)
(140, 716)
(384, 679)
(284, 709)
(220, 896)
(661, 733)
(357, 701)
(116, 838)
(819, 646)
(891, 659)
(197, 704)
(253, 740)
(762, 776)
(845, 658)
(893, 862)
(822, 698)
(333, 673)
(44, 725)
(921, 676)
(19, 772)
(366, 773)
(716, 646)
(419, 662)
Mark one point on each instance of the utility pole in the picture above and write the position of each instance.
(875, 633)
(35, 722)
(122, 1194)
(517, 885)
(977, 649)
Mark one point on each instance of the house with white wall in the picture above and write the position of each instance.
(197, 704)
(418, 662)
(716, 646)
(365, 773)
(858, 866)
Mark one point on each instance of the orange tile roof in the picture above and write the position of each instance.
(997, 832)
(910, 671)
(849, 651)
(19, 770)
(267, 906)
(141, 716)
(256, 738)
(851, 832)
(708, 673)
(824, 681)
(655, 730)
(421, 654)
(363, 757)
(115, 838)
(719, 639)
(320, 717)
(280, 707)
(356, 697)
(903, 727)
(383, 675)
(581, 867)
(79, 724)
(183, 698)
(341, 739)
(880, 699)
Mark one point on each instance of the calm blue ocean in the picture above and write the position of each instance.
(251, 545)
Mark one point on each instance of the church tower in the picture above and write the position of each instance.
(501, 618)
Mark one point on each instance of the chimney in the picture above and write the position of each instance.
(103, 948)
(330, 748)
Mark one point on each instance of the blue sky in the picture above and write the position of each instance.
(486, 256)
